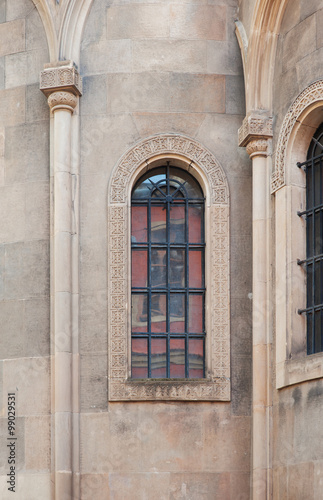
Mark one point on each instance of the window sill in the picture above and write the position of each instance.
(299, 370)
(170, 390)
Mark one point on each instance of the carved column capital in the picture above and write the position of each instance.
(62, 85)
(62, 100)
(254, 133)
(257, 147)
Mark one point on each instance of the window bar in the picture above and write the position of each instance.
(168, 283)
(187, 285)
(312, 247)
(149, 286)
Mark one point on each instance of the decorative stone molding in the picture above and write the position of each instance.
(254, 127)
(257, 147)
(63, 77)
(216, 385)
(61, 100)
(310, 95)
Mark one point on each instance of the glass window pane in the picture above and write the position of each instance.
(195, 226)
(158, 268)
(318, 283)
(158, 224)
(139, 268)
(177, 313)
(310, 346)
(177, 268)
(318, 331)
(158, 313)
(177, 358)
(190, 185)
(177, 224)
(195, 268)
(139, 358)
(196, 314)
(196, 358)
(139, 312)
(158, 358)
(138, 224)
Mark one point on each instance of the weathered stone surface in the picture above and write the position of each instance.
(27, 270)
(141, 20)
(156, 123)
(36, 327)
(12, 35)
(36, 104)
(12, 321)
(29, 378)
(310, 7)
(138, 92)
(12, 208)
(12, 106)
(197, 93)
(169, 55)
(203, 22)
(139, 485)
(26, 153)
(94, 322)
(95, 487)
(223, 58)
(108, 56)
(18, 9)
(303, 36)
(202, 486)
(38, 443)
(37, 210)
(35, 33)
(24, 68)
(94, 381)
(234, 95)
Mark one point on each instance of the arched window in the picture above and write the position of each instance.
(168, 285)
(168, 274)
(313, 263)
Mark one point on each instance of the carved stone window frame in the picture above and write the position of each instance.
(188, 154)
(293, 365)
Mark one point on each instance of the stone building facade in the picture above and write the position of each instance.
(95, 95)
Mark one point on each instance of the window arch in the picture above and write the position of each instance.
(293, 364)
(196, 162)
(168, 286)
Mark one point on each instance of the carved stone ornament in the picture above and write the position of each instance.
(257, 147)
(254, 127)
(310, 95)
(62, 77)
(59, 100)
(216, 385)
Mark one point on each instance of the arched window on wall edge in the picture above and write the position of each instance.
(313, 263)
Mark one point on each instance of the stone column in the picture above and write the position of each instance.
(255, 134)
(62, 86)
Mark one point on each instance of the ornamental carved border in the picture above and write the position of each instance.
(216, 386)
(311, 94)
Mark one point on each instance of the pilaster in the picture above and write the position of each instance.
(62, 86)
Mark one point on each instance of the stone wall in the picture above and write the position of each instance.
(152, 68)
(24, 246)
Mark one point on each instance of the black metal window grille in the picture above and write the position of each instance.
(313, 264)
(168, 284)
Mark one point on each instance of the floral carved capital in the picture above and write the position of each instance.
(62, 100)
(257, 147)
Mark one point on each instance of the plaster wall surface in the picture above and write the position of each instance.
(24, 249)
(151, 68)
